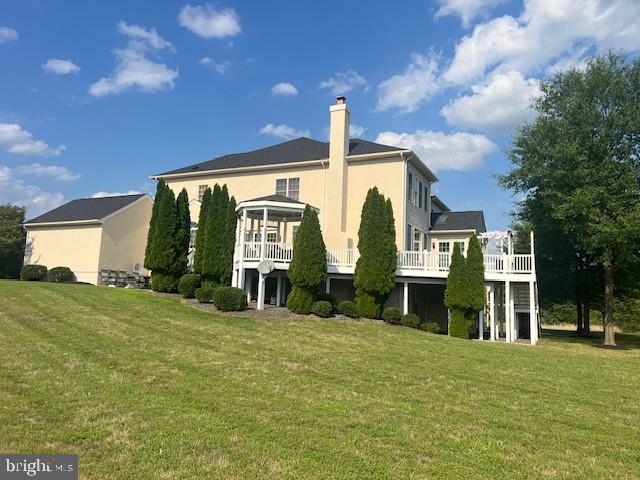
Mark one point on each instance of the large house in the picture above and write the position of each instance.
(272, 186)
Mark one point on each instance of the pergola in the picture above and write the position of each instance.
(259, 218)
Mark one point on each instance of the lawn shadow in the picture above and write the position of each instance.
(624, 341)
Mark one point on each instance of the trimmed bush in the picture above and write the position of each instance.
(33, 273)
(461, 322)
(392, 315)
(61, 275)
(410, 320)
(300, 300)
(327, 297)
(431, 327)
(163, 282)
(229, 299)
(205, 293)
(188, 284)
(348, 309)
(322, 308)
(368, 306)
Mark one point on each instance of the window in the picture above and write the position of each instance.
(281, 187)
(426, 196)
(288, 187)
(417, 236)
(460, 246)
(420, 194)
(201, 189)
(194, 233)
(443, 247)
(407, 241)
(410, 187)
(425, 242)
(294, 232)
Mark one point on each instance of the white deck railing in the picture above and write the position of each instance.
(407, 260)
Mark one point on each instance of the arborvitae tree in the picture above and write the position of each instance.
(12, 240)
(213, 237)
(163, 249)
(308, 268)
(454, 294)
(226, 269)
(183, 232)
(201, 234)
(374, 276)
(149, 260)
(474, 276)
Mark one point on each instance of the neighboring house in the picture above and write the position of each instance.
(89, 235)
(273, 184)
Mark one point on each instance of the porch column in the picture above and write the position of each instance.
(405, 298)
(533, 324)
(263, 249)
(507, 311)
(260, 303)
(481, 325)
(284, 236)
(327, 285)
(279, 290)
(514, 326)
(243, 227)
(492, 312)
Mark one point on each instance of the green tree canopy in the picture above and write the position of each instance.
(201, 235)
(374, 276)
(454, 294)
(580, 160)
(474, 276)
(149, 259)
(183, 232)
(308, 268)
(12, 240)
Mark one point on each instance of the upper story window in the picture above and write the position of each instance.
(288, 187)
(417, 236)
(426, 196)
(443, 247)
(410, 187)
(420, 194)
(460, 246)
(201, 190)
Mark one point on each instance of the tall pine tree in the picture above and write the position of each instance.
(226, 268)
(374, 276)
(308, 268)
(149, 260)
(163, 249)
(213, 237)
(183, 233)
(201, 234)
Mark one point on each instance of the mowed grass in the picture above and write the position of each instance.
(143, 387)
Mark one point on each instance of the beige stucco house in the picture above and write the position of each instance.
(273, 184)
(90, 235)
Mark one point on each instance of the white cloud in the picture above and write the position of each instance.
(356, 131)
(545, 31)
(134, 68)
(35, 199)
(15, 139)
(60, 67)
(284, 88)
(114, 194)
(407, 90)
(495, 106)
(55, 171)
(221, 68)
(8, 34)
(344, 82)
(467, 10)
(207, 22)
(283, 131)
(443, 151)
(146, 37)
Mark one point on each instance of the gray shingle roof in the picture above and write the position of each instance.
(471, 220)
(86, 209)
(299, 150)
(274, 198)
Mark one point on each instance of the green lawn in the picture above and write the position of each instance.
(143, 387)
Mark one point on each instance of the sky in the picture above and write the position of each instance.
(96, 96)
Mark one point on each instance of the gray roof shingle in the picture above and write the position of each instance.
(86, 209)
(471, 220)
(299, 150)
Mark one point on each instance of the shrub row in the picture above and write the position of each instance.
(39, 273)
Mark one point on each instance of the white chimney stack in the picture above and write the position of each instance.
(340, 117)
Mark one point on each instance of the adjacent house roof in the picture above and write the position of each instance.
(84, 209)
(299, 150)
(472, 220)
(437, 201)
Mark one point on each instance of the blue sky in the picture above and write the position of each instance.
(96, 96)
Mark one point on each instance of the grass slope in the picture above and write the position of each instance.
(143, 387)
